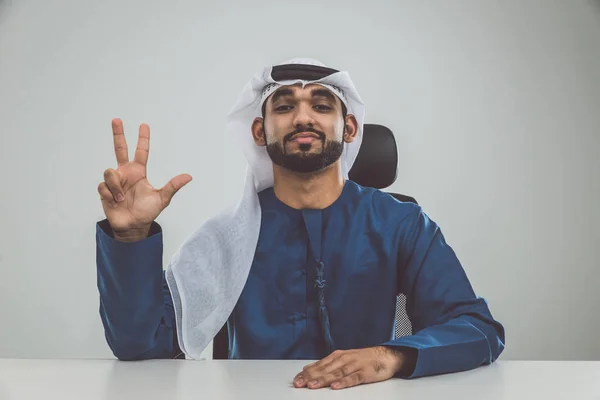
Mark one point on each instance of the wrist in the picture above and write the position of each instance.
(403, 359)
(132, 234)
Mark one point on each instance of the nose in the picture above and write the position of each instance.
(303, 116)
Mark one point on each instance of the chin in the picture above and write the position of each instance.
(305, 154)
(311, 150)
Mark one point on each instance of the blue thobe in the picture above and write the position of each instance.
(369, 246)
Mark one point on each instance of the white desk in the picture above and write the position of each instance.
(199, 380)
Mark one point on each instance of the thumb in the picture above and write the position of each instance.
(168, 191)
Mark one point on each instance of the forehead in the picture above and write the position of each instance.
(297, 90)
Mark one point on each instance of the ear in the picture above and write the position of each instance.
(258, 132)
(351, 128)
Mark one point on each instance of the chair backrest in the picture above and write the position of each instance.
(376, 166)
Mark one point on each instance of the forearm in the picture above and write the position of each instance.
(134, 300)
(454, 328)
(463, 343)
(146, 333)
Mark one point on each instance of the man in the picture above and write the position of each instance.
(308, 266)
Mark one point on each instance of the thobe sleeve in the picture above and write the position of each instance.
(136, 308)
(453, 328)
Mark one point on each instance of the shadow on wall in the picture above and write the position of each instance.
(5, 5)
(594, 5)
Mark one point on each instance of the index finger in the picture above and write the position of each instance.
(120, 142)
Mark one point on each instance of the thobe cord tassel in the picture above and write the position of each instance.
(323, 313)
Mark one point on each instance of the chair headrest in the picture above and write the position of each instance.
(376, 164)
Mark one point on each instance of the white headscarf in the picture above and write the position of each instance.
(208, 272)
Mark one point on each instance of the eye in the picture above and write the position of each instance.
(283, 108)
(322, 107)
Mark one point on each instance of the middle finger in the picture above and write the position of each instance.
(319, 371)
(333, 376)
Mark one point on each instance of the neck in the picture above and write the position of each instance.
(308, 191)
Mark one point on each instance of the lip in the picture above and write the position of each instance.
(304, 135)
(304, 140)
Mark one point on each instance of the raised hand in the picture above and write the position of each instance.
(130, 202)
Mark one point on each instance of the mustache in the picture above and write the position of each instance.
(289, 136)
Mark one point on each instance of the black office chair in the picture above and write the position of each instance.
(376, 166)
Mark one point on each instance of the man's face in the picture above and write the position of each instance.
(304, 127)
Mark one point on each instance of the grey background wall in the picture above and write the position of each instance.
(495, 107)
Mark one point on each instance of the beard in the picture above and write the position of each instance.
(303, 161)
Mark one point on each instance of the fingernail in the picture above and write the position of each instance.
(120, 197)
(312, 383)
(299, 381)
(335, 385)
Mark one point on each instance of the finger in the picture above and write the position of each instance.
(120, 142)
(168, 191)
(324, 365)
(322, 362)
(334, 375)
(299, 378)
(105, 194)
(354, 379)
(308, 373)
(111, 177)
(143, 145)
(300, 381)
(312, 372)
(338, 362)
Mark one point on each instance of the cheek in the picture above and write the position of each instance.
(275, 128)
(336, 125)
(337, 131)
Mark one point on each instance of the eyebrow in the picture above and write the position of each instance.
(281, 93)
(314, 93)
(323, 93)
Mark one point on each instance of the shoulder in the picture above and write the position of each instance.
(384, 205)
